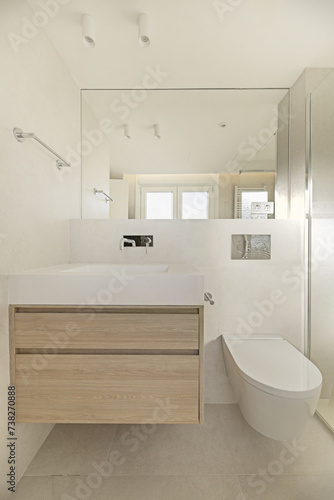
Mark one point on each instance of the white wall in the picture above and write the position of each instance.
(95, 166)
(241, 289)
(37, 95)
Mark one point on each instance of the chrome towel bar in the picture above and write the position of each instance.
(98, 191)
(21, 136)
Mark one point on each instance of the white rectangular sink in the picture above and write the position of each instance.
(108, 284)
(129, 269)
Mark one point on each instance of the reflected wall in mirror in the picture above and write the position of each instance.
(184, 154)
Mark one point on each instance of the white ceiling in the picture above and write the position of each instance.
(195, 44)
(259, 43)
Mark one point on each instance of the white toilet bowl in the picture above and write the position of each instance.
(276, 387)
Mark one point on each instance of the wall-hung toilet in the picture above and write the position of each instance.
(276, 387)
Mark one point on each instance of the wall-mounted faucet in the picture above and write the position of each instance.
(147, 240)
(137, 241)
(127, 240)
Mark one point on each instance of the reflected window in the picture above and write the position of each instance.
(177, 202)
(195, 205)
(159, 205)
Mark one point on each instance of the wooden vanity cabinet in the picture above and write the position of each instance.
(107, 364)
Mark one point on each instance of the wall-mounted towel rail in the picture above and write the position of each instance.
(100, 191)
(21, 136)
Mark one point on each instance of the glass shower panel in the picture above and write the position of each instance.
(321, 241)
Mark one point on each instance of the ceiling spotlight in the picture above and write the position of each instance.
(127, 131)
(157, 131)
(88, 31)
(144, 30)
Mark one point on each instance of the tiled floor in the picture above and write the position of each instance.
(224, 459)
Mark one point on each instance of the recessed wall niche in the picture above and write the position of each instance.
(251, 246)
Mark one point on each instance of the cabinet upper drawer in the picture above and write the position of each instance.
(106, 330)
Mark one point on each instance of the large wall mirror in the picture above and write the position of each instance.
(184, 153)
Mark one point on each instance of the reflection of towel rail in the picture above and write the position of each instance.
(238, 199)
(98, 191)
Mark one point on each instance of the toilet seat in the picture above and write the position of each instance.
(273, 365)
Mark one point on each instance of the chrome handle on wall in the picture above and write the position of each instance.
(208, 298)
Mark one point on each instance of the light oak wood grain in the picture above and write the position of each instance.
(107, 309)
(107, 364)
(201, 364)
(103, 330)
(107, 388)
(12, 345)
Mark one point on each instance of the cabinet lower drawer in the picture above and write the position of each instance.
(107, 388)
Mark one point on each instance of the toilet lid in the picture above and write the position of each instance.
(275, 366)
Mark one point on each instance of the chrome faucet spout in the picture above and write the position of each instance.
(127, 240)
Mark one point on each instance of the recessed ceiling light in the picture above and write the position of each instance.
(88, 31)
(127, 134)
(222, 124)
(157, 131)
(144, 30)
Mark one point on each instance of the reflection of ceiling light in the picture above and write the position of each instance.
(144, 30)
(127, 131)
(222, 124)
(157, 131)
(88, 31)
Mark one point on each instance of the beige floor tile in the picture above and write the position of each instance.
(249, 449)
(33, 488)
(72, 449)
(289, 487)
(211, 487)
(312, 454)
(180, 462)
(318, 456)
(174, 449)
(80, 487)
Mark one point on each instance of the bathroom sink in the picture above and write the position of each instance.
(108, 284)
(130, 269)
